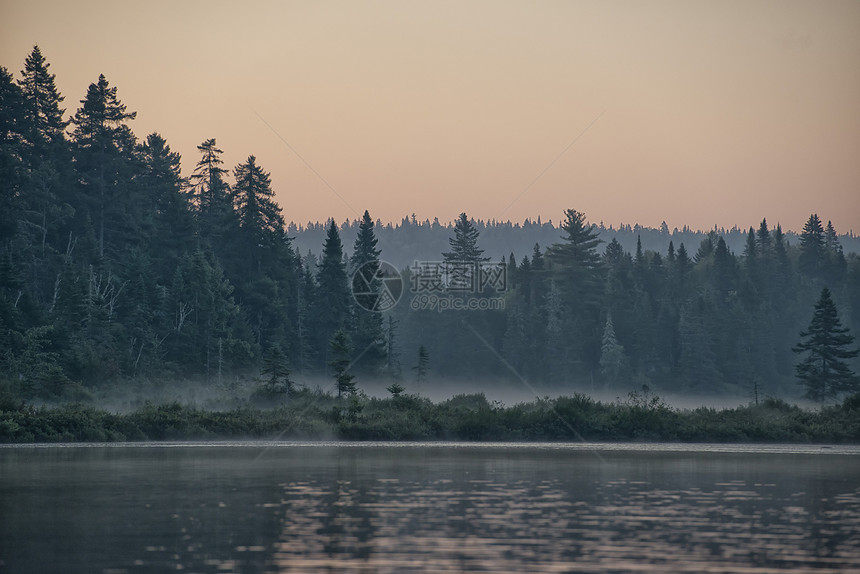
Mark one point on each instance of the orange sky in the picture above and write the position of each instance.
(713, 112)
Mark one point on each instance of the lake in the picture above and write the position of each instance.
(429, 507)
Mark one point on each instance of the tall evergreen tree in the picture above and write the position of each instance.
(575, 267)
(42, 103)
(104, 145)
(576, 259)
(464, 244)
(332, 301)
(46, 189)
(367, 334)
(464, 259)
(812, 247)
(255, 205)
(210, 194)
(764, 239)
(823, 371)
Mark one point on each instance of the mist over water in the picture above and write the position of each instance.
(411, 507)
(230, 393)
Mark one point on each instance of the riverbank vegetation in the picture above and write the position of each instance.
(312, 414)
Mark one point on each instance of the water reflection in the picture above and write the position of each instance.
(427, 509)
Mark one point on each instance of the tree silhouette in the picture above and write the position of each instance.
(823, 371)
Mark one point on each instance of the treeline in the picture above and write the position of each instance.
(314, 415)
(115, 267)
(412, 239)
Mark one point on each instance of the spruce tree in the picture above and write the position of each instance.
(826, 343)
(259, 215)
(764, 239)
(464, 244)
(575, 267)
(367, 334)
(104, 145)
(210, 195)
(47, 183)
(332, 310)
(464, 260)
(812, 247)
(42, 103)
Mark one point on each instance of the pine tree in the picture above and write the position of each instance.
(43, 101)
(575, 267)
(464, 244)
(764, 239)
(104, 145)
(578, 253)
(364, 250)
(47, 182)
(812, 247)
(259, 215)
(464, 260)
(210, 194)
(823, 371)
(332, 299)
(367, 289)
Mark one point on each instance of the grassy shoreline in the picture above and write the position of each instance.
(317, 415)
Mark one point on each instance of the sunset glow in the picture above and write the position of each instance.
(696, 113)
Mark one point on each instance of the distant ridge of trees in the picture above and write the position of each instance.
(411, 238)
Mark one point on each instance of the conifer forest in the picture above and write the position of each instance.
(116, 268)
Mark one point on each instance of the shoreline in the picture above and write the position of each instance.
(465, 418)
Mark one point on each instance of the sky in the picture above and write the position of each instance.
(693, 112)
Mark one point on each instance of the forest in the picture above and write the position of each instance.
(116, 268)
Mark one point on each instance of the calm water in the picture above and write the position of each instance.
(339, 507)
